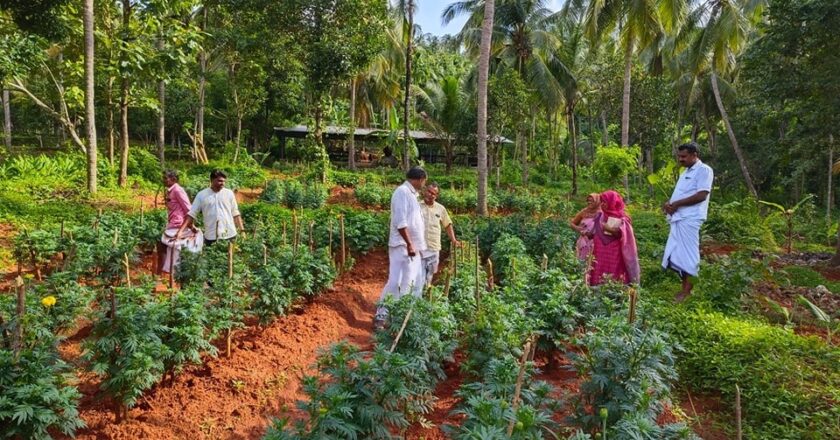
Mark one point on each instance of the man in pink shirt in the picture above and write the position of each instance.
(177, 206)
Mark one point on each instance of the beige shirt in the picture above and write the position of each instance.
(436, 219)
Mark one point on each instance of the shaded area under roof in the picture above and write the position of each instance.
(333, 131)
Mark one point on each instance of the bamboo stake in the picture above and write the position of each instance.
(116, 236)
(230, 259)
(113, 307)
(142, 212)
(402, 329)
(128, 270)
(447, 285)
(62, 228)
(343, 243)
(490, 275)
(739, 432)
(265, 255)
(545, 262)
(21, 311)
(454, 256)
(633, 298)
(329, 246)
(284, 233)
(311, 237)
(477, 281)
(228, 341)
(515, 405)
(172, 266)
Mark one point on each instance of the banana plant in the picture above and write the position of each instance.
(788, 214)
(818, 314)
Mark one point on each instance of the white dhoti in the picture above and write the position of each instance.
(682, 251)
(191, 241)
(404, 276)
(431, 261)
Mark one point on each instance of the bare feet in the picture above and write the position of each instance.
(682, 296)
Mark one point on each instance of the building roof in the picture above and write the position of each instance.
(333, 130)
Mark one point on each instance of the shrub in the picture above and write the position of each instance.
(789, 383)
(37, 396)
(613, 162)
(739, 222)
(628, 370)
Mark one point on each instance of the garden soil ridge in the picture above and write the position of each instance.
(237, 398)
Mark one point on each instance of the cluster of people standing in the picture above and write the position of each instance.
(607, 243)
(216, 204)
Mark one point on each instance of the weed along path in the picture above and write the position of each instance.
(236, 398)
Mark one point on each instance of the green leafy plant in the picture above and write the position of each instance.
(37, 397)
(127, 350)
(788, 214)
(627, 370)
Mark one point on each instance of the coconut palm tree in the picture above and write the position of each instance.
(637, 23)
(483, 74)
(523, 41)
(714, 51)
(442, 105)
(90, 106)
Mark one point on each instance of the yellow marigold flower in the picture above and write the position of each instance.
(48, 301)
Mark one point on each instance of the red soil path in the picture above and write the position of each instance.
(236, 398)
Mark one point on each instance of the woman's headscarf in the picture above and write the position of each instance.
(612, 205)
(591, 210)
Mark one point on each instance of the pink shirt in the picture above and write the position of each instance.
(178, 205)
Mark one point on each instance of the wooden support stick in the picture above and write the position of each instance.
(490, 275)
(172, 266)
(62, 228)
(113, 307)
(738, 431)
(230, 259)
(526, 351)
(127, 270)
(284, 233)
(228, 342)
(633, 296)
(402, 329)
(477, 281)
(142, 212)
(343, 243)
(329, 246)
(21, 311)
(447, 284)
(265, 255)
(545, 262)
(311, 236)
(454, 258)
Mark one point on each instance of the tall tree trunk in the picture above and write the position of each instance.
(483, 73)
(161, 128)
(406, 114)
(605, 140)
(625, 97)
(829, 196)
(742, 162)
(123, 179)
(90, 104)
(573, 140)
(201, 153)
(351, 149)
(111, 135)
(7, 119)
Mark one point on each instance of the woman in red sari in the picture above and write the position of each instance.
(614, 247)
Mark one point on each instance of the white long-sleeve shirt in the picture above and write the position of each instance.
(405, 213)
(218, 210)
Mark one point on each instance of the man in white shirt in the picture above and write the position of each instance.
(217, 205)
(405, 242)
(435, 217)
(686, 211)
